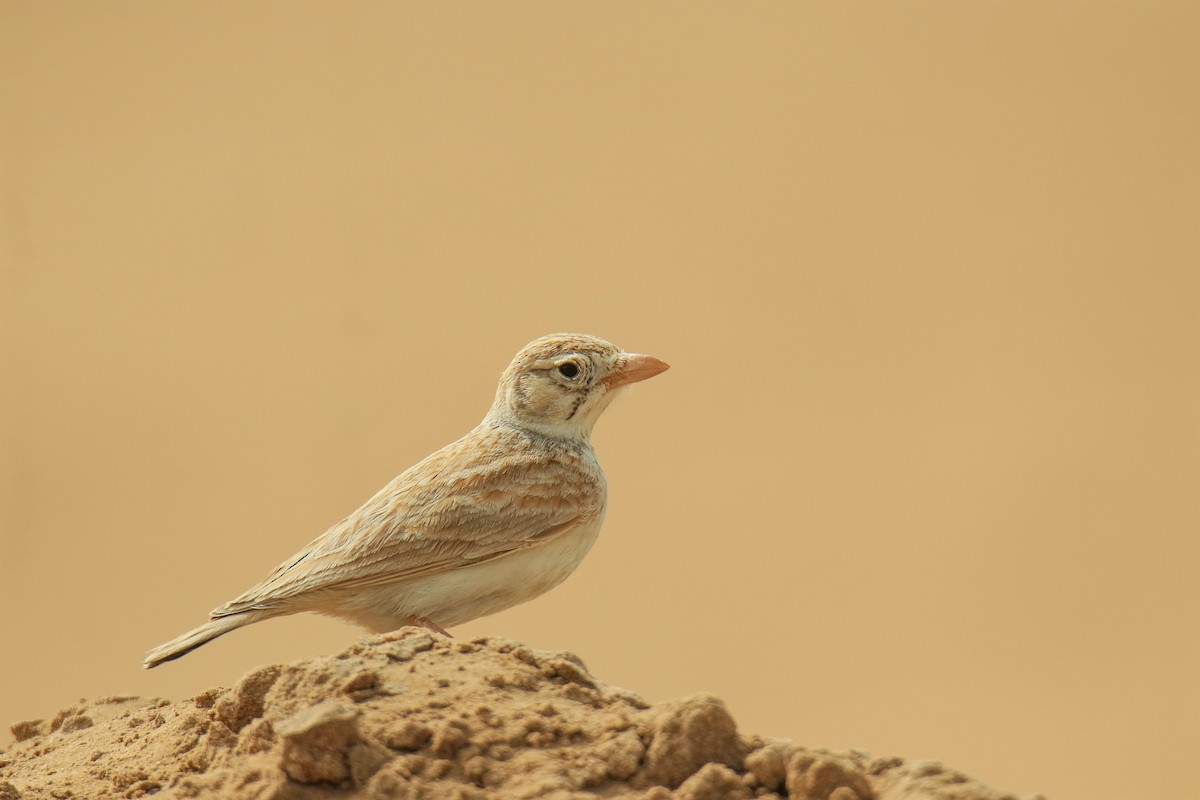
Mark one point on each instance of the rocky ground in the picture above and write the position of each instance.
(414, 715)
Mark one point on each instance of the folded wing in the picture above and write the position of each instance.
(462, 505)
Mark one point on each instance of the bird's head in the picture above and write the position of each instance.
(558, 385)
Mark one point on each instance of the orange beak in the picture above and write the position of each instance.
(634, 367)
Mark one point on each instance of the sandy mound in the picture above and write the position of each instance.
(413, 715)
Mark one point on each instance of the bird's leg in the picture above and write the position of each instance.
(433, 626)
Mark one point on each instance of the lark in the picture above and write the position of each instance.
(492, 520)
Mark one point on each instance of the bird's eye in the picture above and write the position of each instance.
(568, 370)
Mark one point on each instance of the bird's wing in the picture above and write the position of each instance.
(463, 505)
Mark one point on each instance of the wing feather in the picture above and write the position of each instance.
(483, 497)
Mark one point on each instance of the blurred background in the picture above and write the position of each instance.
(924, 478)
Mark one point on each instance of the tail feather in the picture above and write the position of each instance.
(186, 643)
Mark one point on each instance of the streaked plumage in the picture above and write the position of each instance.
(489, 521)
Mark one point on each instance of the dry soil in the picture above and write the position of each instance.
(414, 715)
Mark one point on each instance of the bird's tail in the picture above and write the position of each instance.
(186, 643)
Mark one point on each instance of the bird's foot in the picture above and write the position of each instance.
(431, 625)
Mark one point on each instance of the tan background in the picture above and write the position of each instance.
(924, 477)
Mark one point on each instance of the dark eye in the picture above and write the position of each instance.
(568, 370)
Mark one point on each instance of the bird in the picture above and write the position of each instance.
(489, 521)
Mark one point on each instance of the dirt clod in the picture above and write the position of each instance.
(412, 715)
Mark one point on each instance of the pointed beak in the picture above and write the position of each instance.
(634, 367)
